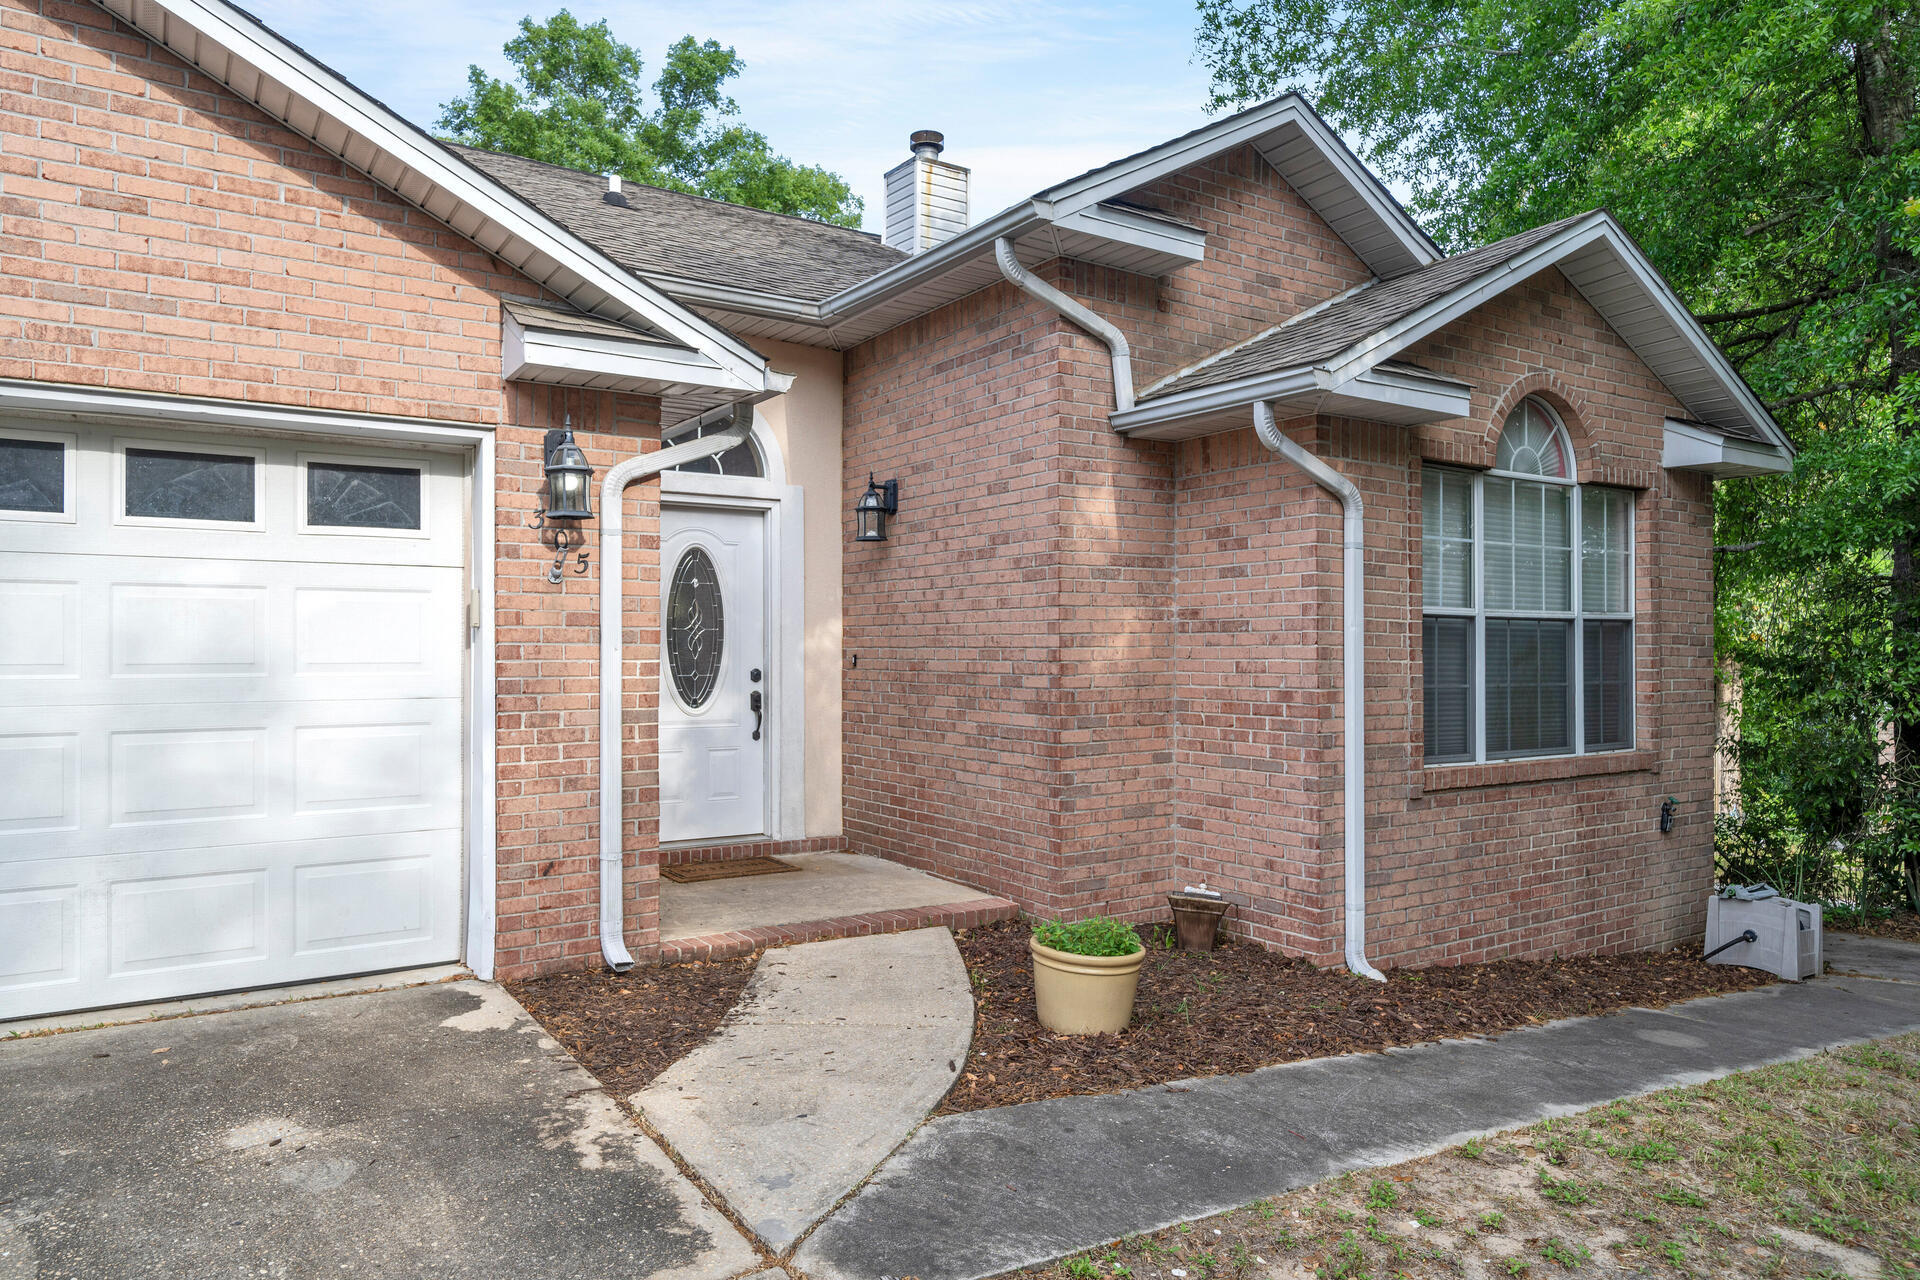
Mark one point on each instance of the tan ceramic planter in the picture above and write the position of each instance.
(1084, 995)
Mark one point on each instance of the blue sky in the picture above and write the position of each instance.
(1027, 91)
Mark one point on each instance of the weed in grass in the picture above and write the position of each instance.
(1682, 1196)
(1518, 1266)
(1642, 1154)
(1473, 1148)
(1674, 1253)
(1492, 1220)
(1426, 1218)
(1569, 1256)
(1567, 1192)
(1082, 1267)
(1382, 1194)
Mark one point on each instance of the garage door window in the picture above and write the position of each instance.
(33, 476)
(344, 495)
(165, 484)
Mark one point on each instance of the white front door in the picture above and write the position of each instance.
(714, 695)
(231, 737)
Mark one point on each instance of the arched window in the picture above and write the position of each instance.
(741, 460)
(1527, 637)
(1533, 443)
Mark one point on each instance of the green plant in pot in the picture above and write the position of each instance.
(1085, 974)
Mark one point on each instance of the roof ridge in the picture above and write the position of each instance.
(867, 236)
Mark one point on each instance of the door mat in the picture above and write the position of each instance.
(727, 869)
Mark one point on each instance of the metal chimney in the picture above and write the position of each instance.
(926, 196)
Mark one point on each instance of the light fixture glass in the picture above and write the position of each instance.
(871, 512)
(568, 477)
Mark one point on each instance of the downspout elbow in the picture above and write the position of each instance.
(1352, 675)
(1116, 342)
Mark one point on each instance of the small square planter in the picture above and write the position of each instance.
(1197, 917)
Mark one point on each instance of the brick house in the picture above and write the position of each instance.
(1241, 536)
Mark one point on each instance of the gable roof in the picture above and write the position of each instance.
(666, 235)
(1345, 347)
(236, 50)
(769, 274)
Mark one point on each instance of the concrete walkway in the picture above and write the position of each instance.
(826, 886)
(835, 1053)
(978, 1194)
(429, 1132)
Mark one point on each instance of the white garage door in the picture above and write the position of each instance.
(231, 673)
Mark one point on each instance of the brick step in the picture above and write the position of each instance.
(742, 942)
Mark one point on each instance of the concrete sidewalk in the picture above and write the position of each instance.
(978, 1194)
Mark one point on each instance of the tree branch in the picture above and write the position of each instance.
(1854, 384)
(1735, 548)
(1754, 313)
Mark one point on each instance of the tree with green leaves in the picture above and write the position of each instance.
(1766, 153)
(577, 99)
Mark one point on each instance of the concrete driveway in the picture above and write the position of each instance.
(426, 1132)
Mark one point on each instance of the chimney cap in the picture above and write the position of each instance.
(932, 139)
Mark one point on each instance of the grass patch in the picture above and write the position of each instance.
(1807, 1168)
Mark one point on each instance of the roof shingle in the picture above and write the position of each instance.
(1317, 335)
(670, 233)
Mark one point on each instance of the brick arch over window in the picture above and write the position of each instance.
(1548, 389)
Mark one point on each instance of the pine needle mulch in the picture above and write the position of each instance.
(1240, 1007)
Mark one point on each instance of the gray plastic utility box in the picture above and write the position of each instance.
(1788, 935)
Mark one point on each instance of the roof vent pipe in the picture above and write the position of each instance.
(1352, 677)
(1116, 341)
(614, 195)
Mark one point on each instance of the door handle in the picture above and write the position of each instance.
(753, 705)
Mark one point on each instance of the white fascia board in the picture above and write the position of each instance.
(922, 267)
(539, 355)
(363, 117)
(1123, 226)
(1598, 227)
(1687, 448)
(1246, 127)
(1206, 400)
(99, 404)
(1412, 397)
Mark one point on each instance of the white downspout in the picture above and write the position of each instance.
(613, 943)
(1116, 341)
(1352, 677)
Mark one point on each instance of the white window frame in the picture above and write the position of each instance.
(1576, 615)
(69, 444)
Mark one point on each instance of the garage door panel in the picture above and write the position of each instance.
(232, 756)
(232, 634)
(38, 630)
(148, 777)
(146, 927)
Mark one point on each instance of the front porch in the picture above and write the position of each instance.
(830, 895)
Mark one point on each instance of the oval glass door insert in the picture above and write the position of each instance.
(695, 627)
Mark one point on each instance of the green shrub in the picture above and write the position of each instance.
(1095, 936)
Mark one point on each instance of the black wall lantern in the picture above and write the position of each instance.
(871, 512)
(569, 498)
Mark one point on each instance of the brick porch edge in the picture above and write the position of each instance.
(742, 942)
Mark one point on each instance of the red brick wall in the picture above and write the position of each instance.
(1089, 669)
(160, 235)
(1465, 862)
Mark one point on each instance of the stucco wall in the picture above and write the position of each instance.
(805, 423)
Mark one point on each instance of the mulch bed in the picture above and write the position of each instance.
(1241, 1007)
(628, 1028)
(1901, 925)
